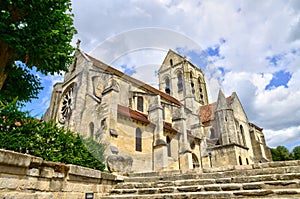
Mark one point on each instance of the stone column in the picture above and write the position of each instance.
(160, 156)
(110, 96)
(185, 153)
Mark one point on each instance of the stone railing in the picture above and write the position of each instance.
(24, 176)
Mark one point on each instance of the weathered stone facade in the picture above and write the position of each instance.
(174, 127)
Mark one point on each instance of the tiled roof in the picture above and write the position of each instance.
(168, 126)
(128, 112)
(133, 80)
(207, 112)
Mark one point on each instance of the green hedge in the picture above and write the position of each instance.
(21, 133)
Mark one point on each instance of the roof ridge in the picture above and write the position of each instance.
(115, 71)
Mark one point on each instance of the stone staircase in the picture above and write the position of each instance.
(264, 180)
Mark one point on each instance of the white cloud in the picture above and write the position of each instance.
(291, 137)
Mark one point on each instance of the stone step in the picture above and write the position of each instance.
(256, 166)
(289, 177)
(186, 187)
(175, 175)
(267, 180)
(279, 193)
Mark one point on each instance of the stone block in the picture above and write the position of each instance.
(119, 164)
(147, 191)
(223, 180)
(281, 184)
(16, 195)
(83, 171)
(11, 169)
(116, 191)
(258, 193)
(47, 172)
(125, 186)
(144, 185)
(288, 176)
(14, 158)
(206, 181)
(9, 183)
(44, 195)
(230, 187)
(56, 185)
(255, 185)
(166, 190)
(33, 172)
(163, 184)
(189, 188)
(185, 182)
(28, 183)
(212, 188)
(43, 184)
(129, 191)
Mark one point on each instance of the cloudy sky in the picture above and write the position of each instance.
(251, 47)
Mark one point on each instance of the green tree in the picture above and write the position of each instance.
(21, 133)
(21, 84)
(296, 153)
(281, 153)
(36, 32)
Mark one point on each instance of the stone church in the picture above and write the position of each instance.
(175, 127)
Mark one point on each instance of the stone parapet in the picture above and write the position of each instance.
(26, 176)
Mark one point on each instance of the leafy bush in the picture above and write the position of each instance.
(21, 133)
(281, 153)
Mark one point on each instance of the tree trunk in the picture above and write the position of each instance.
(4, 58)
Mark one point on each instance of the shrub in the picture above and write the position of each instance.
(21, 133)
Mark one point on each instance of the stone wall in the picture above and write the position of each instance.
(25, 177)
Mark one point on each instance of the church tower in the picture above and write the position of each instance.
(181, 79)
(225, 121)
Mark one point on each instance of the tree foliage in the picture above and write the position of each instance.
(281, 153)
(36, 32)
(296, 153)
(21, 84)
(21, 133)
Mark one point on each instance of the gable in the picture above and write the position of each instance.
(238, 109)
(171, 58)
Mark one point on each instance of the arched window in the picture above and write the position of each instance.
(195, 161)
(171, 62)
(193, 145)
(247, 161)
(192, 82)
(180, 81)
(140, 104)
(169, 146)
(167, 89)
(240, 160)
(91, 127)
(212, 133)
(243, 135)
(201, 92)
(138, 139)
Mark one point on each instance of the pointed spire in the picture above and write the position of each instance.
(221, 102)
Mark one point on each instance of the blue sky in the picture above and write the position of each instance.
(251, 47)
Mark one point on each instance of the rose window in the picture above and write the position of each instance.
(66, 107)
